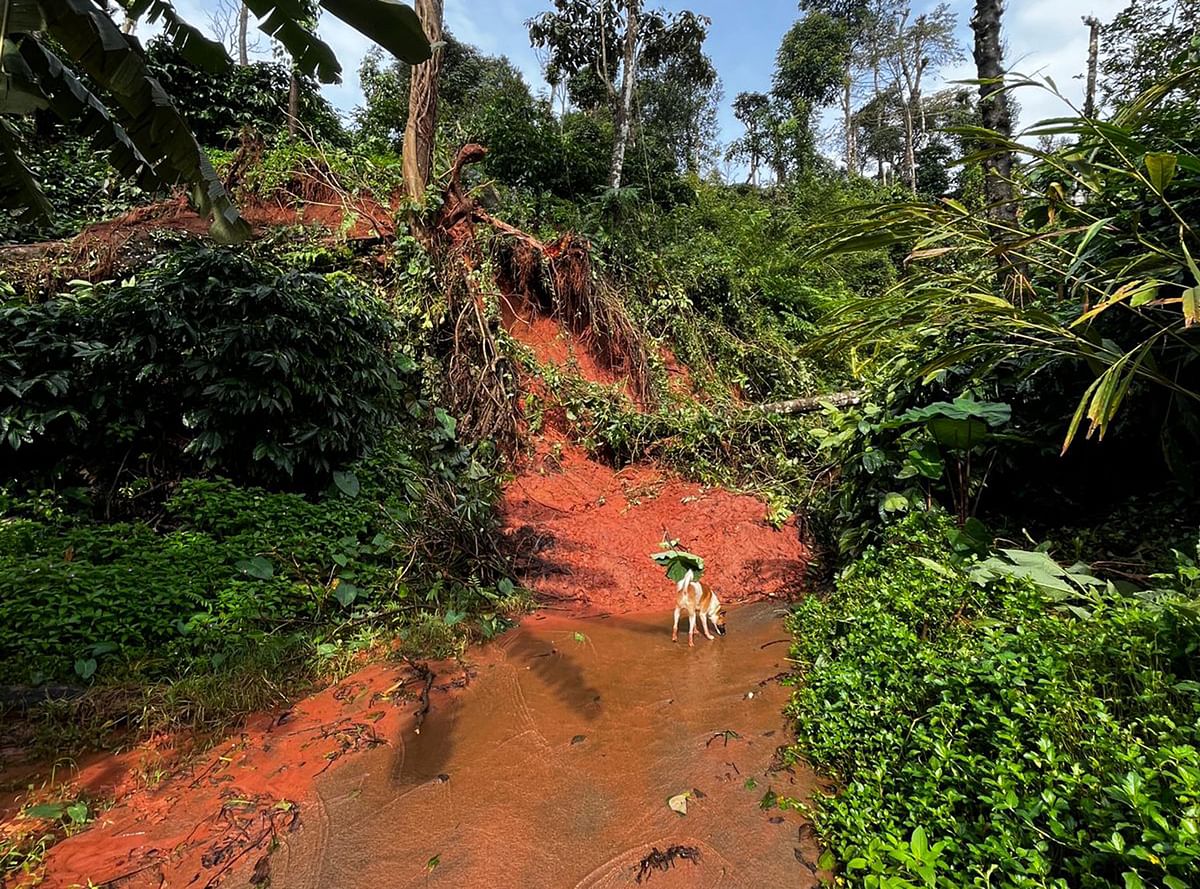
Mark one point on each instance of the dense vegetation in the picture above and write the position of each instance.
(1007, 724)
(234, 467)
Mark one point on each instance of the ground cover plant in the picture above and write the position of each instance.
(998, 734)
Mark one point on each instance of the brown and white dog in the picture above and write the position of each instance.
(696, 597)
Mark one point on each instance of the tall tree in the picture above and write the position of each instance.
(1145, 43)
(422, 104)
(243, 41)
(854, 17)
(996, 116)
(752, 110)
(1089, 98)
(918, 48)
(596, 49)
(624, 106)
(809, 71)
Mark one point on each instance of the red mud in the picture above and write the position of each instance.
(584, 533)
(219, 817)
(552, 343)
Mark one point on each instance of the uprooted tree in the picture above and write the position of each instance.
(557, 278)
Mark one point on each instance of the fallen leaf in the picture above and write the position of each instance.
(678, 803)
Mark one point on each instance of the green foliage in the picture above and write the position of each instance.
(211, 360)
(227, 568)
(714, 444)
(884, 461)
(76, 180)
(1110, 258)
(253, 96)
(140, 127)
(984, 738)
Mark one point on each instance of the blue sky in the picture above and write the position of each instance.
(1043, 36)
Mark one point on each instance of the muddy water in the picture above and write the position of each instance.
(553, 769)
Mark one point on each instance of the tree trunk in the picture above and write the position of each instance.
(910, 147)
(293, 104)
(624, 109)
(998, 165)
(243, 42)
(848, 117)
(810, 405)
(422, 105)
(1089, 101)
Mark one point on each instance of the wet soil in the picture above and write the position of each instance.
(547, 759)
(555, 766)
(583, 533)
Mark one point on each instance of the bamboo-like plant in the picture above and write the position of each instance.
(1108, 238)
(137, 124)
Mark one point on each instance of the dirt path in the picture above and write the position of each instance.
(555, 766)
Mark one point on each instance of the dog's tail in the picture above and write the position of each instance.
(684, 582)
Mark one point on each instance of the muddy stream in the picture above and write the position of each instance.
(555, 765)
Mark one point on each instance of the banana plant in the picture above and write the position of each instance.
(135, 122)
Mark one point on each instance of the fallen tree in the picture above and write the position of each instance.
(815, 403)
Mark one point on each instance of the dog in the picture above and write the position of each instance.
(696, 597)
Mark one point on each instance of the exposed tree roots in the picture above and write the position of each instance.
(557, 278)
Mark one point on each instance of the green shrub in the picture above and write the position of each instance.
(983, 738)
(229, 568)
(212, 360)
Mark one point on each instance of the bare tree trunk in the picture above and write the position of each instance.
(243, 42)
(809, 405)
(910, 147)
(1089, 101)
(848, 117)
(998, 164)
(293, 104)
(422, 105)
(624, 109)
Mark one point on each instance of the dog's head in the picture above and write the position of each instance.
(719, 621)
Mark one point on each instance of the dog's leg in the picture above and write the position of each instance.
(691, 628)
(704, 624)
(675, 626)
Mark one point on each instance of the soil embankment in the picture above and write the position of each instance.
(547, 758)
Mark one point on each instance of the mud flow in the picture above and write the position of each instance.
(555, 768)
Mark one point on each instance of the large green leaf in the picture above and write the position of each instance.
(393, 25)
(187, 39)
(18, 189)
(17, 95)
(72, 101)
(147, 113)
(285, 21)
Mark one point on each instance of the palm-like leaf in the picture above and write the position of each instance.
(187, 39)
(145, 109)
(18, 187)
(950, 315)
(43, 72)
(144, 134)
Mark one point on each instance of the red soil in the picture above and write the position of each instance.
(218, 817)
(585, 532)
(554, 344)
